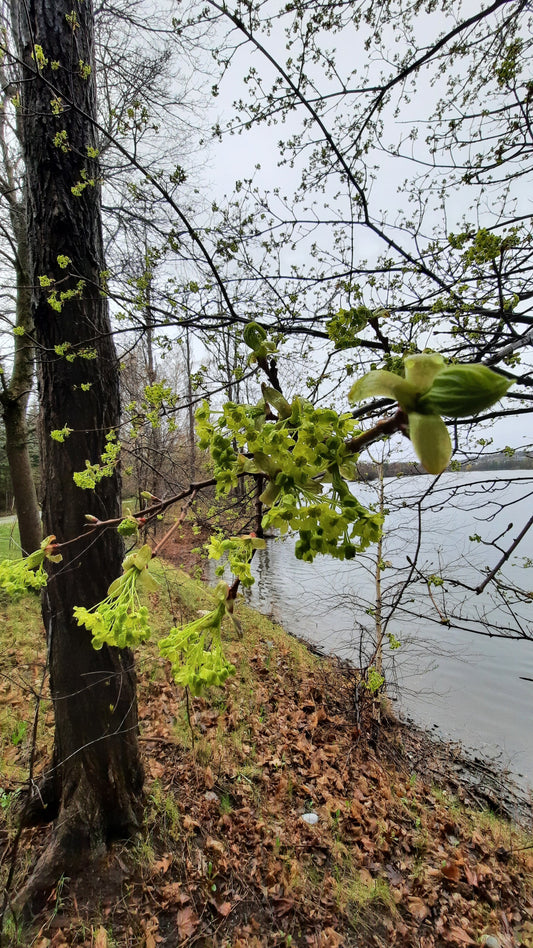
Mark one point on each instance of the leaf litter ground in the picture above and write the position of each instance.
(225, 859)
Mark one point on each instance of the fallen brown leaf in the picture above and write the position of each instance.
(451, 871)
(214, 844)
(326, 939)
(471, 876)
(458, 936)
(418, 908)
(156, 768)
(223, 908)
(163, 864)
(174, 894)
(282, 906)
(100, 939)
(187, 922)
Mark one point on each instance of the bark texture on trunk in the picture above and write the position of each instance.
(97, 775)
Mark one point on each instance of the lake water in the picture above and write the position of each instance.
(472, 686)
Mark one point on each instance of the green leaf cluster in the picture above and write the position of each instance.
(128, 527)
(238, 551)
(61, 434)
(158, 400)
(374, 680)
(94, 473)
(85, 69)
(344, 326)
(120, 620)
(61, 141)
(39, 57)
(306, 456)
(19, 576)
(195, 650)
(429, 390)
(56, 300)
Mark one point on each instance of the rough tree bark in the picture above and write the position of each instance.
(95, 782)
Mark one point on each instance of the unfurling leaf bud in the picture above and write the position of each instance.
(420, 370)
(276, 399)
(254, 335)
(270, 494)
(382, 382)
(128, 527)
(139, 559)
(462, 390)
(431, 441)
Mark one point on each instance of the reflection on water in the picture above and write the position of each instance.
(471, 685)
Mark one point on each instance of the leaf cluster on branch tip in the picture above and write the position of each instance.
(302, 451)
(429, 390)
(120, 620)
(93, 473)
(239, 552)
(195, 650)
(19, 576)
(255, 337)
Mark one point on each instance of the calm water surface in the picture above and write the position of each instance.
(472, 686)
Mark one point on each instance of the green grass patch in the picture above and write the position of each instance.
(9, 539)
(22, 658)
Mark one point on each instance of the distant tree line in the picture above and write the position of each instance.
(506, 460)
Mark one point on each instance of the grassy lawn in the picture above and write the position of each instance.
(9, 539)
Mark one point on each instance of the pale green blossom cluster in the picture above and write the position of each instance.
(120, 620)
(195, 650)
(18, 576)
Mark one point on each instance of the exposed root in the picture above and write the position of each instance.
(60, 860)
(39, 803)
(79, 845)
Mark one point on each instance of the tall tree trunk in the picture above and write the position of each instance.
(18, 457)
(14, 399)
(191, 443)
(96, 778)
(15, 392)
(153, 441)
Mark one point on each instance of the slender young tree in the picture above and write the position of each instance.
(95, 781)
(16, 383)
